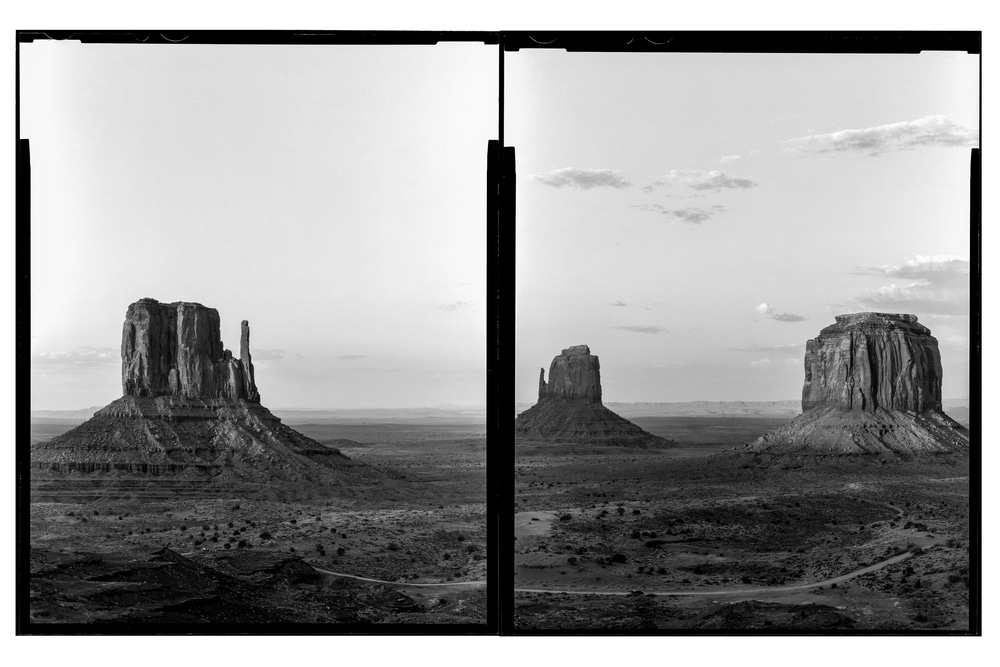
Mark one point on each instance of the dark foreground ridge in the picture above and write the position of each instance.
(873, 388)
(189, 424)
(569, 408)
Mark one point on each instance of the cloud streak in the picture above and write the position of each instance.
(583, 179)
(265, 354)
(638, 328)
(768, 311)
(902, 136)
(81, 357)
(771, 349)
(456, 305)
(703, 181)
(618, 303)
(691, 215)
(352, 357)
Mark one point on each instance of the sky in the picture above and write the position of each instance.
(331, 195)
(696, 218)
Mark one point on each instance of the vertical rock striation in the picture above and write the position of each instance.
(873, 361)
(573, 375)
(872, 386)
(569, 408)
(175, 349)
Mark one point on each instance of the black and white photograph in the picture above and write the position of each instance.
(257, 332)
(276, 290)
(742, 339)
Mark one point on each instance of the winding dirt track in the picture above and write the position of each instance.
(400, 583)
(732, 591)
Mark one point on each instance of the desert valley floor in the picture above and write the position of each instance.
(682, 539)
(411, 549)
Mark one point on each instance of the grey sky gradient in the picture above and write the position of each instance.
(332, 196)
(759, 196)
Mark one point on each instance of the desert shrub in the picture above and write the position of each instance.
(461, 538)
(243, 544)
(341, 551)
(392, 546)
(264, 535)
(635, 534)
(571, 560)
(294, 521)
(954, 578)
(565, 517)
(636, 512)
(621, 511)
(619, 558)
(446, 556)
(205, 527)
(472, 548)
(227, 545)
(661, 570)
(183, 528)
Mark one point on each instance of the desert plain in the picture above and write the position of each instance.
(692, 538)
(405, 543)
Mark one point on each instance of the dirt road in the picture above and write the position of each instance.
(401, 583)
(732, 591)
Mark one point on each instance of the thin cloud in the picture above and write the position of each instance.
(81, 357)
(768, 311)
(690, 215)
(455, 305)
(770, 349)
(702, 181)
(638, 328)
(583, 179)
(730, 158)
(761, 363)
(618, 303)
(351, 357)
(264, 354)
(902, 136)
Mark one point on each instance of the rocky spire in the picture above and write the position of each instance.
(541, 383)
(250, 386)
(175, 349)
(873, 361)
(574, 375)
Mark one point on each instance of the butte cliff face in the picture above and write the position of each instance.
(569, 408)
(189, 422)
(872, 386)
(174, 349)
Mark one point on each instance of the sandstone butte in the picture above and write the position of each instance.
(872, 387)
(189, 422)
(569, 408)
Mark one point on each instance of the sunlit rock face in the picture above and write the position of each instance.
(873, 387)
(873, 361)
(175, 349)
(569, 408)
(573, 375)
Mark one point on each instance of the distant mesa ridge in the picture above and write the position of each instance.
(569, 408)
(189, 423)
(872, 386)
